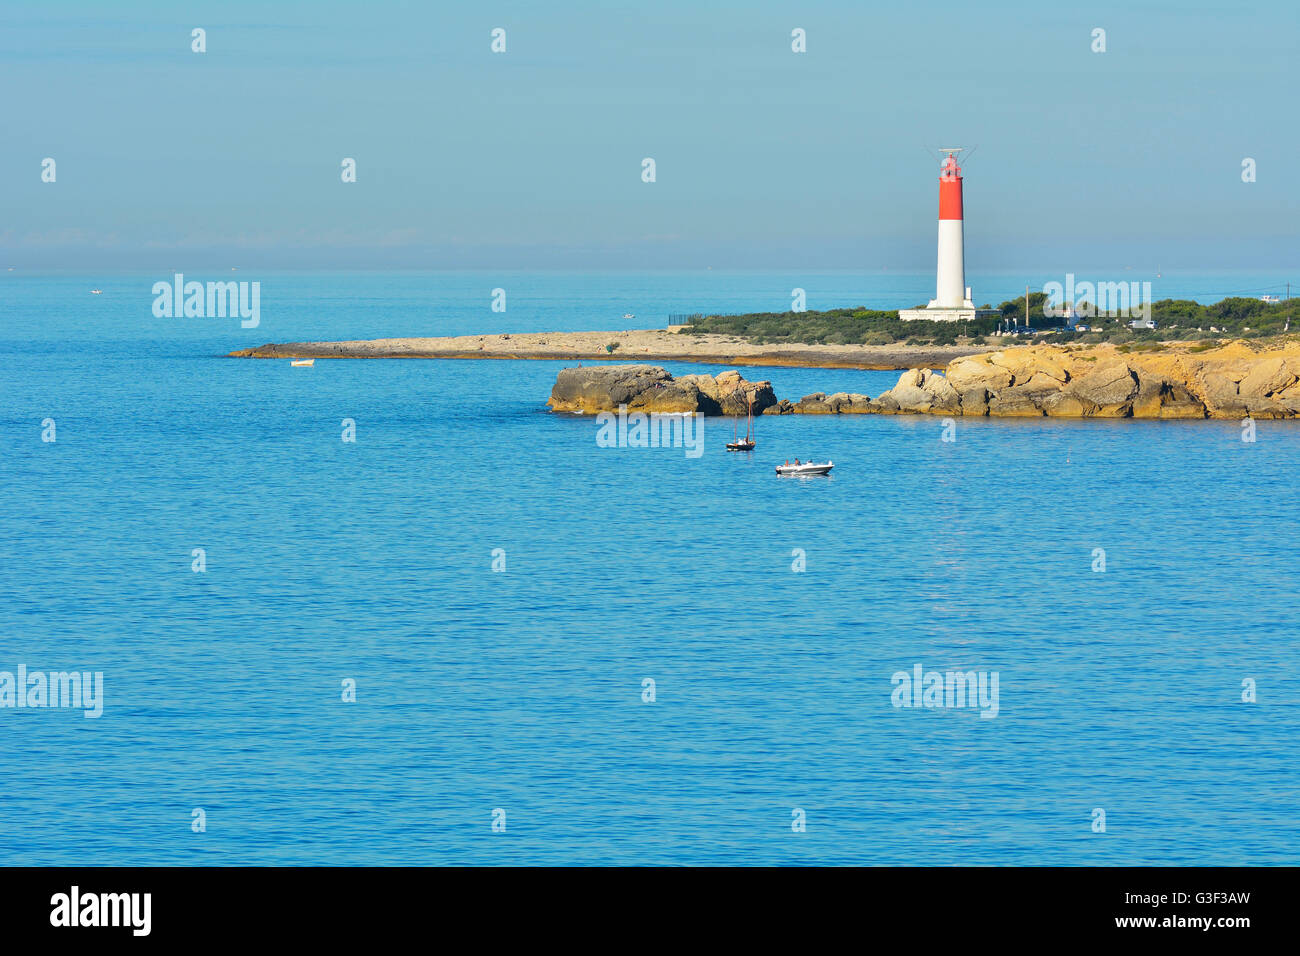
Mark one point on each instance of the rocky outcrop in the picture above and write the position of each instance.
(849, 403)
(819, 403)
(732, 393)
(1104, 391)
(648, 388)
(925, 390)
(1037, 381)
(1101, 382)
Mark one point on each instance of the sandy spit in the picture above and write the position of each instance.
(650, 345)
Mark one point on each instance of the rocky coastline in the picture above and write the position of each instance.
(1227, 382)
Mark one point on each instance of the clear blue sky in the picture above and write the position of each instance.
(766, 158)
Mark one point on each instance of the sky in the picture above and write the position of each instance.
(764, 158)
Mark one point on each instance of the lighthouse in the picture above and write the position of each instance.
(952, 297)
(950, 284)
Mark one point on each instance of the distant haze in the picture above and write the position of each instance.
(532, 158)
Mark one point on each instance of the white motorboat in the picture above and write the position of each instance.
(805, 468)
(303, 363)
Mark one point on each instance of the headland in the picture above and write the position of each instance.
(647, 345)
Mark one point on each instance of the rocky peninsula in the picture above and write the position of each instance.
(1228, 382)
(648, 345)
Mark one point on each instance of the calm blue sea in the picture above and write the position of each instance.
(521, 690)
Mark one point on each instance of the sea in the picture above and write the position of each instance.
(472, 634)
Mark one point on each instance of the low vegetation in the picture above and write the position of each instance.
(1175, 319)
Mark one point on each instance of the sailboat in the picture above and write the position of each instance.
(746, 443)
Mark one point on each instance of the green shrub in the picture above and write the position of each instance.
(1175, 319)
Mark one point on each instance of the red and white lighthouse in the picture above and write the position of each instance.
(952, 297)
(950, 284)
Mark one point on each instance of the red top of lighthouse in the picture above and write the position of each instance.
(950, 189)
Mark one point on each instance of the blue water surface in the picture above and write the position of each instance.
(522, 690)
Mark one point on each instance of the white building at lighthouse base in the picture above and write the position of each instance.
(937, 315)
(934, 312)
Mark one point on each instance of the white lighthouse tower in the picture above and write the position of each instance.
(952, 297)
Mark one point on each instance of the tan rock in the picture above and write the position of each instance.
(921, 390)
(1181, 403)
(1173, 381)
(849, 403)
(1220, 393)
(977, 372)
(909, 390)
(1062, 404)
(974, 401)
(1024, 363)
(814, 404)
(943, 397)
(1042, 381)
(1146, 403)
(648, 388)
(1269, 376)
(1015, 402)
(1107, 389)
(1158, 397)
(1291, 398)
(731, 392)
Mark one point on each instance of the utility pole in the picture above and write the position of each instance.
(1026, 305)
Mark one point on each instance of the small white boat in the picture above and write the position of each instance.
(303, 362)
(805, 468)
(628, 315)
(96, 291)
